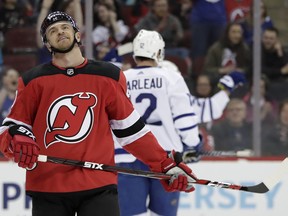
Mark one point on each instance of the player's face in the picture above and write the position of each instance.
(60, 35)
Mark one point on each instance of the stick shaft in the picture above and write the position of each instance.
(241, 153)
(260, 188)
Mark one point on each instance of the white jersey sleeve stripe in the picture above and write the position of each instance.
(125, 123)
(8, 121)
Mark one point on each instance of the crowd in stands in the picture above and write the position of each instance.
(205, 39)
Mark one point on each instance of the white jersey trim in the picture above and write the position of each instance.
(127, 140)
(16, 122)
(125, 123)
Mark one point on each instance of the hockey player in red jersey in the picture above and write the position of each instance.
(69, 108)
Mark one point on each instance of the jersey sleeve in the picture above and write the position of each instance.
(130, 131)
(5, 140)
(209, 109)
(184, 116)
(23, 115)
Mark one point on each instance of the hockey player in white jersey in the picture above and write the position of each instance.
(163, 100)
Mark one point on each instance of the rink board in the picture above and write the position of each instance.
(205, 201)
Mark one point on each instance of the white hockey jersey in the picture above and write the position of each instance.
(164, 102)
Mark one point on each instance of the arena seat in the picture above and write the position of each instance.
(21, 62)
(21, 40)
(181, 64)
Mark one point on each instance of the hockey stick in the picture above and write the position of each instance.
(189, 155)
(262, 187)
(241, 153)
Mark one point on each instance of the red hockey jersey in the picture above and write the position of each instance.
(72, 112)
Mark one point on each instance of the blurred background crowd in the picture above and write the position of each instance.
(205, 39)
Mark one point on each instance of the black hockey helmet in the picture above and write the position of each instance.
(54, 17)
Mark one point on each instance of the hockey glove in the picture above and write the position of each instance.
(231, 81)
(23, 146)
(182, 176)
(193, 154)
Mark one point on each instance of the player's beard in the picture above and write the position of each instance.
(64, 44)
(66, 47)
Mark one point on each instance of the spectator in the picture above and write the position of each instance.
(268, 106)
(207, 20)
(12, 14)
(228, 54)
(203, 91)
(8, 90)
(115, 5)
(203, 86)
(247, 25)
(233, 132)
(182, 10)
(140, 9)
(72, 7)
(161, 20)
(109, 32)
(274, 57)
(133, 11)
(275, 137)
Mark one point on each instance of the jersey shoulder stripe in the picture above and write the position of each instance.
(92, 67)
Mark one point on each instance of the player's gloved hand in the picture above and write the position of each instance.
(23, 146)
(231, 81)
(182, 176)
(193, 154)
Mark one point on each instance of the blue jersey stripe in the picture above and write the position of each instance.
(188, 128)
(211, 109)
(121, 151)
(183, 116)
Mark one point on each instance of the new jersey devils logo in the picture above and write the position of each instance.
(70, 118)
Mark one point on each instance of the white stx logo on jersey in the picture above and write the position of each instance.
(93, 165)
(70, 118)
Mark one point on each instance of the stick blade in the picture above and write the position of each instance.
(260, 188)
(273, 179)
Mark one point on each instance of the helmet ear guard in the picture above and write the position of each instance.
(149, 44)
